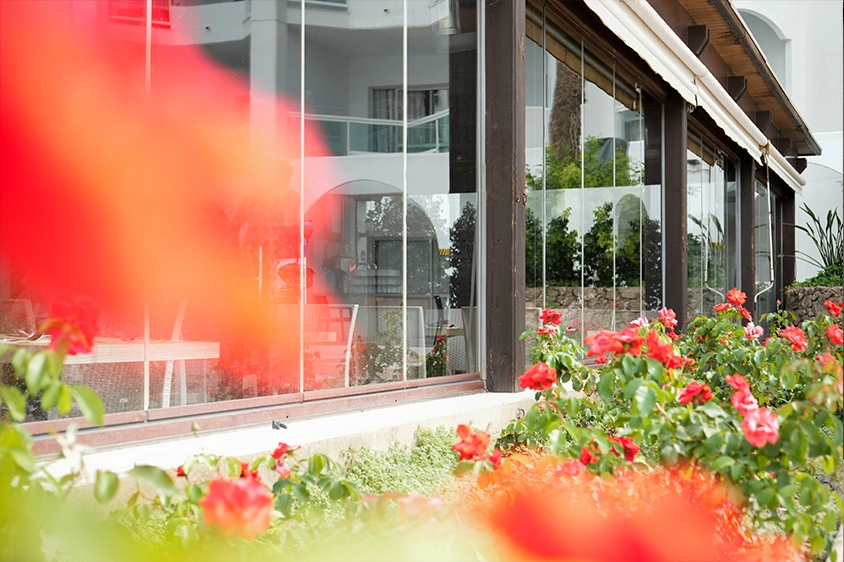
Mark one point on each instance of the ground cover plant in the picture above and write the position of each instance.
(713, 436)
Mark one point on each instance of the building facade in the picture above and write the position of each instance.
(476, 163)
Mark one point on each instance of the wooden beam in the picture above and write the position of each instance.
(763, 119)
(783, 144)
(676, 250)
(786, 227)
(799, 164)
(698, 38)
(737, 86)
(747, 243)
(506, 196)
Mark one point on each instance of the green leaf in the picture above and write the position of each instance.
(51, 395)
(194, 493)
(631, 387)
(23, 458)
(644, 400)
(316, 464)
(16, 402)
(89, 404)
(65, 400)
(19, 361)
(713, 410)
(156, 479)
(141, 512)
(788, 380)
(284, 503)
(36, 373)
(301, 492)
(464, 467)
(105, 485)
(713, 444)
(605, 386)
(723, 462)
(337, 491)
(764, 497)
(231, 466)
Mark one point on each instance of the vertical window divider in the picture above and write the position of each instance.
(404, 195)
(544, 162)
(582, 196)
(614, 206)
(303, 268)
(640, 108)
(481, 214)
(147, 84)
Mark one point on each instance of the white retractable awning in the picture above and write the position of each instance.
(640, 27)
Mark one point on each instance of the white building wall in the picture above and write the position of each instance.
(813, 30)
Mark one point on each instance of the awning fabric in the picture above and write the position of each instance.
(640, 27)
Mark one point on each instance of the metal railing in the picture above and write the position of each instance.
(347, 136)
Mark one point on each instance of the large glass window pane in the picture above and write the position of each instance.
(765, 243)
(354, 201)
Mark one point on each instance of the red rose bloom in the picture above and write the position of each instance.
(761, 426)
(282, 451)
(825, 359)
(550, 316)
(587, 454)
(471, 445)
(628, 446)
(672, 335)
(721, 307)
(668, 317)
(601, 360)
(696, 390)
(247, 472)
(181, 472)
(736, 297)
(745, 313)
(571, 468)
(538, 377)
(283, 470)
(72, 326)
(834, 307)
(602, 343)
(737, 382)
(663, 351)
(835, 335)
(795, 336)
(239, 507)
(495, 458)
(744, 401)
(547, 330)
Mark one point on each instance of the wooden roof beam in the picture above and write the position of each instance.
(698, 38)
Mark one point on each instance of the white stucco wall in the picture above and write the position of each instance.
(813, 30)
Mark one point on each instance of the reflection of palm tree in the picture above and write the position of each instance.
(565, 113)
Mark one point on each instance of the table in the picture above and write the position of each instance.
(113, 350)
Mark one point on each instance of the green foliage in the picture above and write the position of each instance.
(640, 401)
(424, 467)
(828, 238)
(830, 276)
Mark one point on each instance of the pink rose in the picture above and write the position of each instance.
(761, 426)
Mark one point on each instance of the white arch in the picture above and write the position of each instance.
(775, 46)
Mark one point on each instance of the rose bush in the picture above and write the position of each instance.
(762, 415)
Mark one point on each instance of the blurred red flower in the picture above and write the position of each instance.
(834, 307)
(72, 326)
(241, 507)
(538, 377)
(835, 335)
(628, 446)
(736, 297)
(760, 426)
(697, 392)
(795, 336)
(472, 445)
(550, 316)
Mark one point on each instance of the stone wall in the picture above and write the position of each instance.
(807, 302)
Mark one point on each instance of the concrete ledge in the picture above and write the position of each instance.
(376, 428)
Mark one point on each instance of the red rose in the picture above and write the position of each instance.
(721, 307)
(601, 343)
(571, 468)
(834, 307)
(695, 390)
(471, 445)
(835, 335)
(826, 359)
(283, 470)
(550, 316)
(736, 297)
(628, 446)
(247, 472)
(672, 334)
(601, 360)
(745, 313)
(752, 332)
(663, 351)
(795, 336)
(282, 451)
(737, 382)
(241, 507)
(547, 330)
(72, 326)
(744, 402)
(181, 472)
(495, 458)
(760, 426)
(538, 377)
(668, 317)
(587, 454)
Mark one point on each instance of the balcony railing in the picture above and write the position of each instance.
(346, 136)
